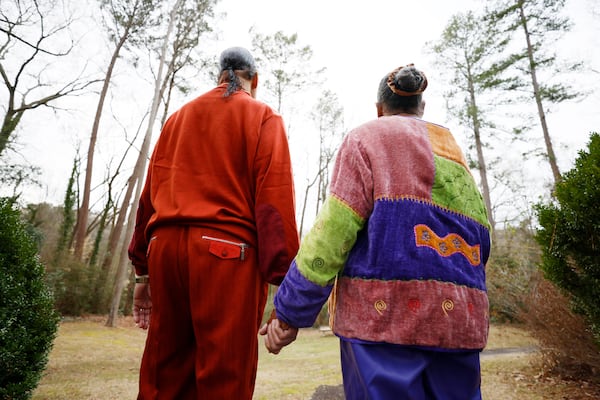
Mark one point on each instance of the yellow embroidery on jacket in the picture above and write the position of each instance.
(448, 245)
(447, 305)
(380, 306)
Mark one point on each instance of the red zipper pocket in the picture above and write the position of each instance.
(226, 249)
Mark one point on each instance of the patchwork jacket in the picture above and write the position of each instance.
(400, 245)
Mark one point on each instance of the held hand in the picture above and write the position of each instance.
(278, 335)
(142, 305)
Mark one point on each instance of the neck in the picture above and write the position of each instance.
(246, 85)
(403, 114)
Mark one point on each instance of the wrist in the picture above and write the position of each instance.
(284, 325)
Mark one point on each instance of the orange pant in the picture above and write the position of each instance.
(206, 310)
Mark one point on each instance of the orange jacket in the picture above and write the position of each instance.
(223, 163)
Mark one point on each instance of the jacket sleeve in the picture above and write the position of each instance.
(274, 202)
(326, 247)
(139, 243)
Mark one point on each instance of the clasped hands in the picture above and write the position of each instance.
(277, 334)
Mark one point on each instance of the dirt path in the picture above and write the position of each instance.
(492, 353)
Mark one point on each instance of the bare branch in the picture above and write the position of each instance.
(36, 17)
(34, 46)
(70, 88)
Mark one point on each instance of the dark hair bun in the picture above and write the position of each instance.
(407, 81)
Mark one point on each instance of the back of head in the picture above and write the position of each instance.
(401, 89)
(234, 62)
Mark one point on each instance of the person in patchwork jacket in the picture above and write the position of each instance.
(399, 249)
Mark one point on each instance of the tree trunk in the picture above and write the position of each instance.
(320, 176)
(115, 235)
(123, 267)
(83, 214)
(485, 188)
(538, 99)
(11, 120)
(308, 186)
(304, 209)
(137, 176)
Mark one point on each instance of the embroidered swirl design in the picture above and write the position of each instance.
(380, 306)
(448, 245)
(318, 262)
(447, 305)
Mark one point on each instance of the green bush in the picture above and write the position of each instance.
(28, 321)
(570, 234)
(71, 282)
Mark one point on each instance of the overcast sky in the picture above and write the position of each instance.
(361, 41)
(358, 42)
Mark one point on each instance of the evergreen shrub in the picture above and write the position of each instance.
(28, 321)
(569, 235)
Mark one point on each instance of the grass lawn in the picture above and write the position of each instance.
(91, 361)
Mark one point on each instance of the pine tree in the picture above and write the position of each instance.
(541, 23)
(570, 234)
(470, 50)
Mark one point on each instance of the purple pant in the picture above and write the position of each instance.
(388, 372)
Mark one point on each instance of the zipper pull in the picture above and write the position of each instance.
(243, 251)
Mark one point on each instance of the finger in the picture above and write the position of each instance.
(267, 343)
(270, 341)
(142, 317)
(147, 312)
(281, 337)
(263, 330)
(278, 332)
(275, 335)
(290, 336)
(273, 349)
(271, 333)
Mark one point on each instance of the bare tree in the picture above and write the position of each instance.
(188, 22)
(328, 116)
(286, 66)
(130, 21)
(135, 179)
(33, 36)
(192, 24)
(286, 69)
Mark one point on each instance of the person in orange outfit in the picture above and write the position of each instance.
(215, 224)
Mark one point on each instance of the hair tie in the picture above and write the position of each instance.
(392, 85)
